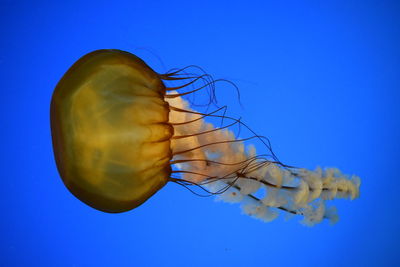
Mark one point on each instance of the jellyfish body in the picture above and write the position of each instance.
(119, 135)
(111, 135)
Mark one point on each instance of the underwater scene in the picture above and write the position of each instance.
(207, 133)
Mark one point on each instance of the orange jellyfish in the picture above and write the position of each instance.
(119, 135)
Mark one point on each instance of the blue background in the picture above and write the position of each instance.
(319, 78)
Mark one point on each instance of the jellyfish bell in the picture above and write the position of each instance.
(110, 130)
(120, 134)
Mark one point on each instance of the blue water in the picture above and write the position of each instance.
(319, 78)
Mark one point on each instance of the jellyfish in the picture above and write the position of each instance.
(120, 134)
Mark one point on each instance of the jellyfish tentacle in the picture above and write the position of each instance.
(205, 132)
(263, 139)
(196, 173)
(215, 143)
(287, 188)
(192, 91)
(258, 157)
(203, 115)
(176, 71)
(195, 79)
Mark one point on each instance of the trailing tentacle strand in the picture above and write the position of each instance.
(217, 161)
